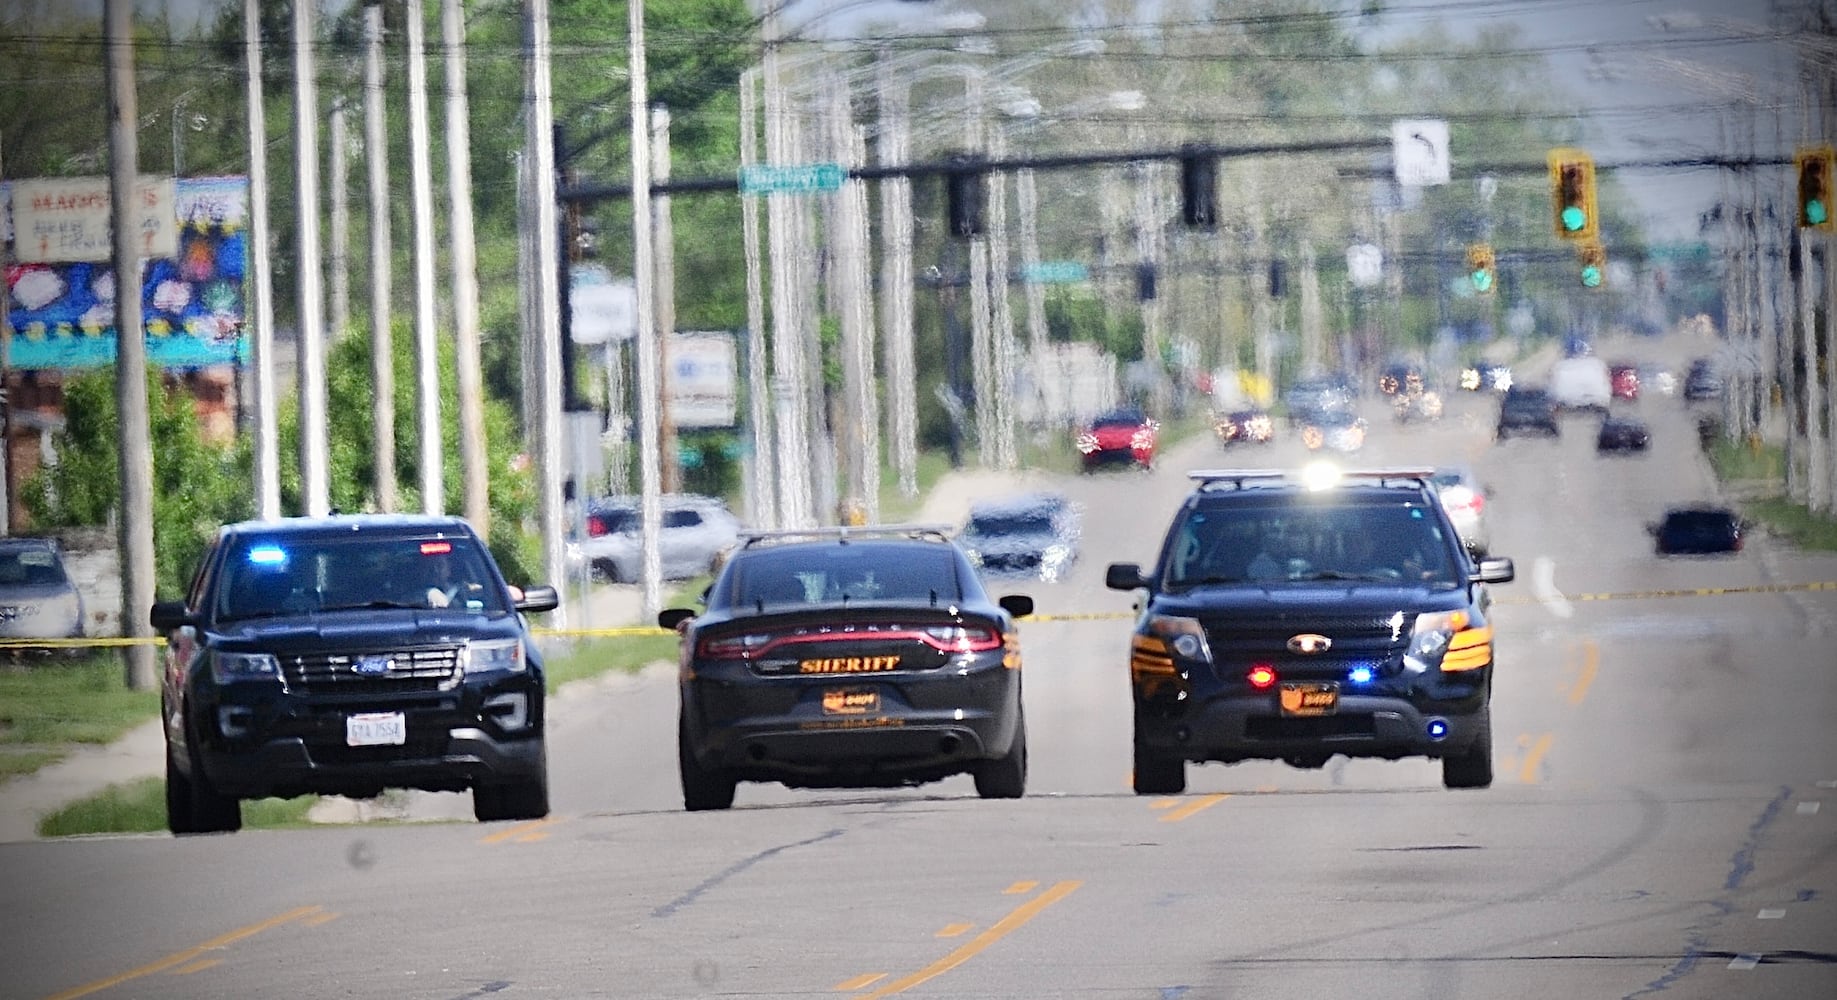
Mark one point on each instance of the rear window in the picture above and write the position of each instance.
(824, 574)
(30, 567)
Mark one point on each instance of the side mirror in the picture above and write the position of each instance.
(1494, 570)
(170, 616)
(1124, 576)
(675, 619)
(1018, 605)
(538, 599)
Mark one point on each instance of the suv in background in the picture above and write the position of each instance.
(1294, 618)
(696, 531)
(347, 654)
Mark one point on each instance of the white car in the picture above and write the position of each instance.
(1581, 384)
(1464, 498)
(696, 532)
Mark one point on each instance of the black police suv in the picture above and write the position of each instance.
(348, 654)
(849, 657)
(1297, 616)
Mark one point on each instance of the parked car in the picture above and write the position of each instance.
(348, 654)
(1033, 535)
(1526, 409)
(695, 531)
(1622, 434)
(1464, 498)
(1245, 426)
(1697, 529)
(857, 657)
(1124, 436)
(38, 600)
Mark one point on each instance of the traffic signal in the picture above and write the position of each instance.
(1572, 183)
(1482, 268)
(964, 193)
(1815, 178)
(1198, 188)
(1594, 265)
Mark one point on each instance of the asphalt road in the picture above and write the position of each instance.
(1657, 827)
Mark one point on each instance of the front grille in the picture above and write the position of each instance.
(1357, 640)
(1315, 727)
(402, 670)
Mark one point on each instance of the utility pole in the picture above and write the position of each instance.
(266, 402)
(896, 295)
(789, 376)
(1001, 354)
(468, 366)
(340, 169)
(382, 337)
(665, 277)
(6, 378)
(539, 139)
(133, 440)
(761, 502)
(858, 433)
(314, 451)
(427, 337)
(650, 502)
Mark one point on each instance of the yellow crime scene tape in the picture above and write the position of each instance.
(596, 633)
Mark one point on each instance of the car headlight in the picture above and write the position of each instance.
(1182, 635)
(495, 655)
(1430, 638)
(228, 667)
(974, 556)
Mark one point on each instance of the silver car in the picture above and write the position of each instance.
(696, 532)
(1464, 498)
(38, 600)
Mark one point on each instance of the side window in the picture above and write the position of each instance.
(204, 580)
(681, 519)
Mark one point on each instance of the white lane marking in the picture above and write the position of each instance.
(1745, 962)
(1808, 808)
(1827, 783)
(1771, 915)
(1543, 585)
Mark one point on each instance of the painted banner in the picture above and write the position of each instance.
(701, 381)
(61, 314)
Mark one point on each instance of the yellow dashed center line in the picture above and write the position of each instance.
(1196, 806)
(973, 947)
(860, 982)
(1591, 663)
(954, 930)
(1534, 757)
(518, 832)
(1020, 888)
(322, 918)
(1163, 803)
(198, 966)
(188, 955)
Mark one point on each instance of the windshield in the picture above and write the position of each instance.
(266, 577)
(1275, 544)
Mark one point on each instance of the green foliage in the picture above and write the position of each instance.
(140, 807)
(1073, 315)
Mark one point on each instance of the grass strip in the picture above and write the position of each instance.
(140, 807)
(53, 702)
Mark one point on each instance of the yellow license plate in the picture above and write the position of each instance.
(850, 701)
(1321, 698)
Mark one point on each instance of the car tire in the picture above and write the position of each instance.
(1006, 777)
(520, 800)
(1473, 768)
(193, 806)
(702, 788)
(1157, 774)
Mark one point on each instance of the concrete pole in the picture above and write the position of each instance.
(551, 452)
(1001, 353)
(382, 335)
(664, 276)
(1827, 115)
(761, 503)
(789, 376)
(859, 433)
(132, 436)
(896, 293)
(475, 473)
(644, 273)
(339, 167)
(315, 459)
(266, 403)
(7, 490)
(427, 342)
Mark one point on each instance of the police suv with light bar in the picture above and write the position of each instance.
(1298, 616)
(345, 655)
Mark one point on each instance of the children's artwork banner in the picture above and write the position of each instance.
(61, 315)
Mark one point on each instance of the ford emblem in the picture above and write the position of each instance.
(1309, 644)
(375, 666)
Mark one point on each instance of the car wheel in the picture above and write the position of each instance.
(193, 806)
(521, 800)
(1156, 774)
(1006, 777)
(702, 788)
(1474, 767)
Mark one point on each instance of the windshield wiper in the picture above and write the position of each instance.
(374, 604)
(1336, 574)
(1201, 581)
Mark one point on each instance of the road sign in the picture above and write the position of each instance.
(802, 178)
(69, 219)
(1420, 148)
(1057, 272)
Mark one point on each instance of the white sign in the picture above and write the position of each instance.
(700, 379)
(67, 219)
(1420, 148)
(1364, 264)
(600, 307)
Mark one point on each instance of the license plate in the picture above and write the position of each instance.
(850, 701)
(376, 729)
(1320, 698)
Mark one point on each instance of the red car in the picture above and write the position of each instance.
(1625, 380)
(1119, 437)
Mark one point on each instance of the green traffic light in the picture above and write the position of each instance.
(1574, 219)
(1482, 281)
(1815, 212)
(1591, 276)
